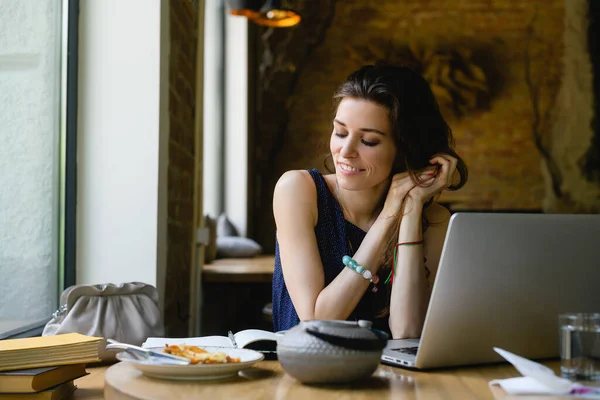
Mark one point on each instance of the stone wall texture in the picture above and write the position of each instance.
(297, 71)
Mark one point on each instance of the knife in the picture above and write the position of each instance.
(151, 356)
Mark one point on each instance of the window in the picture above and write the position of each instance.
(38, 52)
(214, 97)
(225, 156)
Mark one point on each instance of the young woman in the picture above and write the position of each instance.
(392, 152)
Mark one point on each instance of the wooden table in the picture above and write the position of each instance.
(268, 381)
(256, 269)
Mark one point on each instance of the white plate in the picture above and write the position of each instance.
(197, 371)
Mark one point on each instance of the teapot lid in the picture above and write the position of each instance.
(346, 329)
(350, 334)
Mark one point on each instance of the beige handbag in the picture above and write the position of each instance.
(128, 312)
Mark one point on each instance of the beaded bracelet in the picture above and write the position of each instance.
(393, 271)
(353, 265)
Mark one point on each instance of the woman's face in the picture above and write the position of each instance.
(361, 144)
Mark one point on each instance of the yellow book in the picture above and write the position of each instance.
(46, 351)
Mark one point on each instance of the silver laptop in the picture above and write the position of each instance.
(502, 281)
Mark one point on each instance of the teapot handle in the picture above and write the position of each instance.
(350, 343)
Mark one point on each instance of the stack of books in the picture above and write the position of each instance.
(44, 367)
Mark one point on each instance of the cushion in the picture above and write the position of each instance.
(225, 227)
(237, 247)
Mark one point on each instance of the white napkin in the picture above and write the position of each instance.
(539, 379)
(525, 385)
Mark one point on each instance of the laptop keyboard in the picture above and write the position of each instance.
(407, 350)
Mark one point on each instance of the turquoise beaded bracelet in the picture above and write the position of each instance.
(353, 265)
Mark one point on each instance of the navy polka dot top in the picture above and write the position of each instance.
(336, 237)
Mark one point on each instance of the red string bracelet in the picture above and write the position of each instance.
(390, 277)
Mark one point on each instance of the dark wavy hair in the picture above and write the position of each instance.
(418, 128)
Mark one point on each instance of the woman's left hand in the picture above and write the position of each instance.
(438, 182)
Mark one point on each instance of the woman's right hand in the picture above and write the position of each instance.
(401, 184)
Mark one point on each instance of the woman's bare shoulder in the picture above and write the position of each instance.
(296, 182)
(295, 198)
(295, 191)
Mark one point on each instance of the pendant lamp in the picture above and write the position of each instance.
(270, 14)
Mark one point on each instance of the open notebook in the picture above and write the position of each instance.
(254, 339)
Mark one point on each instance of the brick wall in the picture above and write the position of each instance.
(496, 143)
(181, 227)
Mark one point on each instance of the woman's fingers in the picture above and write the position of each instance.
(433, 179)
(453, 163)
(447, 168)
(442, 178)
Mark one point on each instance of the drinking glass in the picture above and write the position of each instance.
(580, 346)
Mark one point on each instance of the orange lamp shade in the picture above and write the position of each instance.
(270, 14)
(279, 18)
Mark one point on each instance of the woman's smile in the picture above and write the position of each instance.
(347, 169)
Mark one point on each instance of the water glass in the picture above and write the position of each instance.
(580, 346)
